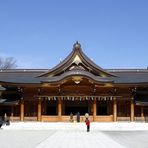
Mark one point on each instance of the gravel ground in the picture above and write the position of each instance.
(22, 138)
(73, 135)
(129, 139)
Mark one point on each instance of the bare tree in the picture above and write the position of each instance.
(7, 63)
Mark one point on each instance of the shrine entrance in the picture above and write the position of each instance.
(74, 107)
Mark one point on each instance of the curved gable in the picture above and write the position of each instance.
(77, 60)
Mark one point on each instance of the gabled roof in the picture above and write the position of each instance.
(29, 76)
(80, 73)
(77, 60)
(75, 64)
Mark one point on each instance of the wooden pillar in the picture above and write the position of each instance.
(44, 107)
(132, 110)
(142, 113)
(22, 110)
(59, 109)
(94, 110)
(39, 109)
(12, 111)
(115, 110)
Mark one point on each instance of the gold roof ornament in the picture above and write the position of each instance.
(77, 60)
(77, 79)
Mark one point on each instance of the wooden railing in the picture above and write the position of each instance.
(45, 118)
(104, 118)
(14, 118)
(17, 118)
(141, 119)
(123, 119)
(30, 118)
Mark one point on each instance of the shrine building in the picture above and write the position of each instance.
(75, 85)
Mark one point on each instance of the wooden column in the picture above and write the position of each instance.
(59, 109)
(39, 109)
(12, 111)
(132, 110)
(142, 113)
(94, 110)
(22, 110)
(115, 110)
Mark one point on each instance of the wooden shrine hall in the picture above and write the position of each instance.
(75, 85)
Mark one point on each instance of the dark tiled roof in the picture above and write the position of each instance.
(20, 76)
(131, 76)
(31, 76)
(8, 102)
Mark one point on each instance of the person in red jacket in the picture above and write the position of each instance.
(87, 124)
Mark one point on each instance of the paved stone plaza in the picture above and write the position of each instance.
(69, 135)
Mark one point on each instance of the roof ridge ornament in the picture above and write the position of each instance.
(76, 45)
(77, 60)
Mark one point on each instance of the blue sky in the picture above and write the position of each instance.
(38, 33)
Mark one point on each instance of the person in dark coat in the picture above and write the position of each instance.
(71, 117)
(78, 117)
(87, 121)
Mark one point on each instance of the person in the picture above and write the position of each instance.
(87, 121)
(86, 116)
(71, 117)
(6, 119)
(78, 117)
